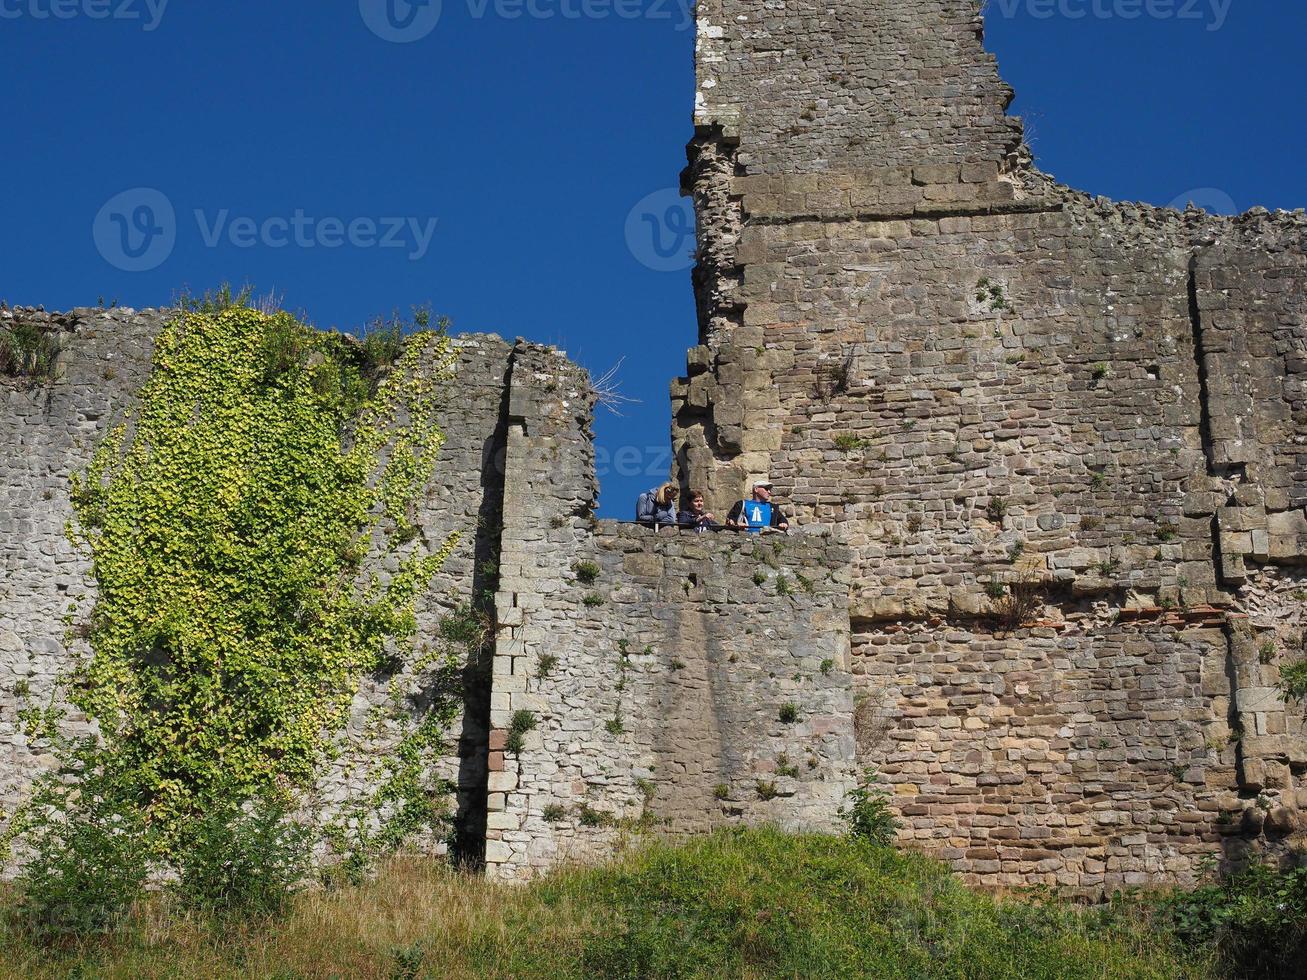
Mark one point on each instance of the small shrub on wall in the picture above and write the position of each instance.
(26, 351)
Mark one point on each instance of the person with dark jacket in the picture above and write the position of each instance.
(759, 512)
(657, 507)
(696, 517)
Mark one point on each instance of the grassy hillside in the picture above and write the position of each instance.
(737, 904)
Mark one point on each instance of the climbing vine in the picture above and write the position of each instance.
(228, 525)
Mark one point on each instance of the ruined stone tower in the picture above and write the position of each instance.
(1022, 407)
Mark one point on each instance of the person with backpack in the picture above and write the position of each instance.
(657, 507)
(758, 513)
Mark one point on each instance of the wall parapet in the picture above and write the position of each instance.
(678, 681)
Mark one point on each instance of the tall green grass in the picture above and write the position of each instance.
(737, 904)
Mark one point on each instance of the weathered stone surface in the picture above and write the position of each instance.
(992, 379)
(1048, 453)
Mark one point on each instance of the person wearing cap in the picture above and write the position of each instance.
(758, 512)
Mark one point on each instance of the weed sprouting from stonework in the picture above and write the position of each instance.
(587, 572)
(545, 668)
(827, 666)
(993, 295)
(522, 723)
(27, 351)
(789, 713)
(1108, 568)
(1020, 605)
(1293, 679)
(592, 600)
(867, 811)
(588, 816)
(759, 577)
(766, 790)
(721, 791)
(554, 812)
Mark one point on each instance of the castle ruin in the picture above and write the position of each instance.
(1046, 455)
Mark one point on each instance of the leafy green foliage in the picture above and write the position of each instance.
(1293, 679)
(587, 572)
(868, 812)
(1254, 920)
(554, 812)
(89, 854)
(757, 903)
(521, 723)
(243, 861)
(228, 525)
(27, 351)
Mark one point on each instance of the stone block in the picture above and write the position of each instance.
(501, 782)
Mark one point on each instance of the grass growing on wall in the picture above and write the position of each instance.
(228, 523)
(737, 904)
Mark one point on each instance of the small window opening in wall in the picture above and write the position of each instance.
(1155, 371)
(693, 580)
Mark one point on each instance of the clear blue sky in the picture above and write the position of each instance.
(528, 141)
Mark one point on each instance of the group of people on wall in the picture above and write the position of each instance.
(657, 508)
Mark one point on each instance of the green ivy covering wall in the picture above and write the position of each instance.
(228, 524)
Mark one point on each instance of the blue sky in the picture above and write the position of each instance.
(490, 166)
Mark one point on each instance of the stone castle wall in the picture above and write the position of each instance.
(659, 669)
(992, 384)
(49, 431)
(699, 680)
(1046, 456)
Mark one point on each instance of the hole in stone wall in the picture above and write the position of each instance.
(1154, 371)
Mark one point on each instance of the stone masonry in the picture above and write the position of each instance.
(698, 680)
(1063, 438)
(675, 681)
(49, 431)
(1045, 455)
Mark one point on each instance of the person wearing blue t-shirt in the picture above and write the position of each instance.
(758, 512)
